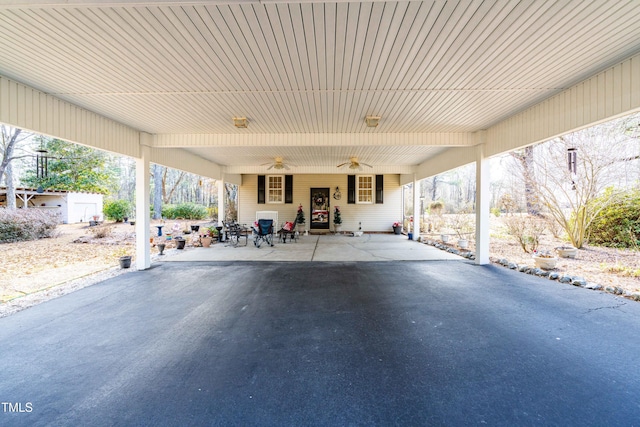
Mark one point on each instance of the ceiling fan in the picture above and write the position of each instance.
(354, 164)
(278, 163)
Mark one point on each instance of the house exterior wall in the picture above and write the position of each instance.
(374, 217)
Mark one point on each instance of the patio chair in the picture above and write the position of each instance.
(235, 233)
(288, 229)
(263, 232)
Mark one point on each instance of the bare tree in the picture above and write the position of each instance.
(526, 161)
(170, 181)
(571, 197)
(11, 137)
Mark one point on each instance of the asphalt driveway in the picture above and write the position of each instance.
(328, 344)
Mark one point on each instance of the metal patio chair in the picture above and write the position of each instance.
(235, 233)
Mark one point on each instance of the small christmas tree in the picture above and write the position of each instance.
(337, 219)
(300, 215)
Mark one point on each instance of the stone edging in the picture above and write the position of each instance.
(551, 275)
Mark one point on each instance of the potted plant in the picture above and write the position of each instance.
(566, 251)
(463, 226)
(209, 236)
(337, 219)
(544, 260)
(124, 258)
(300, 219)
(397, 227)
(180, 242)
(205, 240)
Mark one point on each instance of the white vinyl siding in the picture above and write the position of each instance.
(374, 217)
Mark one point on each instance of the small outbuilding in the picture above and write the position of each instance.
(73, 207)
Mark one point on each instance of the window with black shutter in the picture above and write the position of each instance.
(380, 189)
(261, 189)
(288, 188)
(351, 189)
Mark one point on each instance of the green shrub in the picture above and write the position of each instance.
(117, 210)
(26, 224)
(184, 211)
(618, 225)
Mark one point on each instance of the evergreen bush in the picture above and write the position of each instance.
(117, 210)
(184, 211)
(618, 225)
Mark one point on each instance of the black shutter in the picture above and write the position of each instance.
(379, 188)
(351, 189)
(288, 188)
(261, 189)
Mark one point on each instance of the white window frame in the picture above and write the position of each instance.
(272, 191)
(371, 190)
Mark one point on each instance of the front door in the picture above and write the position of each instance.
(320, 208)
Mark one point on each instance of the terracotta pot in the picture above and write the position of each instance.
(206, 241)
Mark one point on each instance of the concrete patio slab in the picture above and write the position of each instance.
(368, 247)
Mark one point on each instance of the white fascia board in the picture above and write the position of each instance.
(445, 161)
(453, 139)
(185, 161)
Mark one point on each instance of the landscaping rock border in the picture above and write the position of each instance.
(551, 275)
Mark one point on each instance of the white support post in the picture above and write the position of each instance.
(143, 222)
(221, 201)
(482, 206)
(416, 209)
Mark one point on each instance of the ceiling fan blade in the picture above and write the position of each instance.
(285, 166)
(270, 167)
(341, 165)
(265, 164)
(369, 166)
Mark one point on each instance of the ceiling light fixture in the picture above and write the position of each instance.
(240, 122)
(372, 121)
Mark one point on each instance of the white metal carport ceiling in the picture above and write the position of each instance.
(316, 68)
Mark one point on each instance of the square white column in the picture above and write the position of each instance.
(143, 221)
(482, 206)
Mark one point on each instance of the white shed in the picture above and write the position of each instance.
(73, 207)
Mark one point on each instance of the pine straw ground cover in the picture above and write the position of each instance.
(42, 268)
